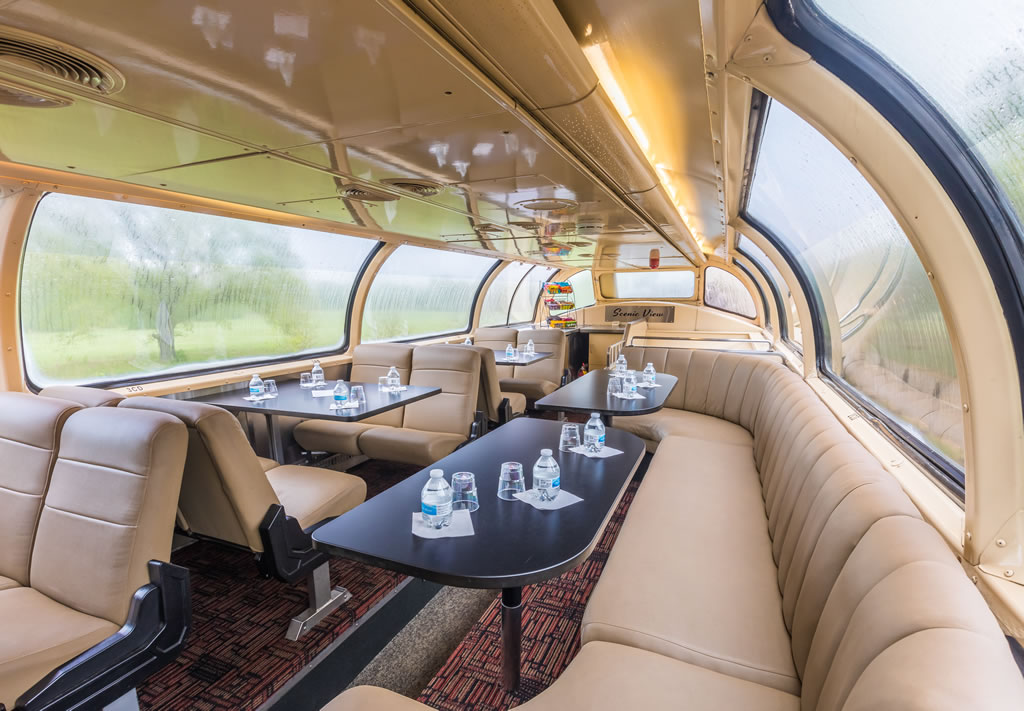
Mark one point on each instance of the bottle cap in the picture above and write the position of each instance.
(545, 452)
(436, 473)
(596, 414)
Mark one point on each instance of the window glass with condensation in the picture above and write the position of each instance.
(967, 57)
(112, 291)
(652, 284)
(498, 298)
(583, 288)
(895, 349)
(774, 277)
(421, 292)
(524, 303)
(725, 291)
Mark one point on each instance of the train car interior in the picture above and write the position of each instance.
(687, 334)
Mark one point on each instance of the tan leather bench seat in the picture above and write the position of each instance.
(402, 444)
(6, 583)
(84, 396)
(543, 377)
(669, 422)
(312, 494)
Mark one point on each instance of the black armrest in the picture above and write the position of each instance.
(479, 427)
(288, 552)
(566, 376)
(159, 621)
(504, 411)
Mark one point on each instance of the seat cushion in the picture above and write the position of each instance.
(530, 388)
(39, 635)
(8, 583)
(311, 494)
(401, 444)
(330, 436)
(267, 464)
(669, 421)
(517, 401)
(612, 677)
(691, 575)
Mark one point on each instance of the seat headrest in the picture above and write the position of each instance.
(187, 411)
(444, 357)
(384, 354)
(542, 335)
(86, 397)
(120, 438)
(33, 420)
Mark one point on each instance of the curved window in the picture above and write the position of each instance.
(524, 303)
(784, 301)
(648, 284)
(867, 280)
(112, 291)
(421, 292)
(760, 292)
(582, 284)
(969, 59)
(499, 294)
(725, 291)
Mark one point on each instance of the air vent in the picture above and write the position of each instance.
(53, 60)
(589, 228)
(488, 227)
(13, 94)
(548, 204)
(364, 194)
(423, 188)
(530, 226)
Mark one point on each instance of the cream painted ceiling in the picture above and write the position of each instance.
(280, 105)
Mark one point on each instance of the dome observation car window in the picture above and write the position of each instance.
(421, 292)
(524, 302)
(894, 349)
(113, 291)
(582, 284)
(790, 328)
(498, 298)
(726, 292)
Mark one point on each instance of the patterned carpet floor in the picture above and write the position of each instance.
(471, 678)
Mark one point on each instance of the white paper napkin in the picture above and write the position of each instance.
(563, 499)
(461, 525)
(602, 453)
(648, 385)
(629, 396)
(323, 393)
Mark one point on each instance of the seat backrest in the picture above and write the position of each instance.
(224, 491)
(497, 338)
(546, 340)
(457, 372)
(490, 396)
(30, 428)
(372, 360)
(86, 397)
(109, 508)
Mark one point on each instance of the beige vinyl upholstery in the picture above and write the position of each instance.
(369, 362)
(434, 427)
(111, 499)
(784, 570)
(86, 397)
(491, 395)
(226, 490)
(544, 377)
(497, 338)
(30, 428)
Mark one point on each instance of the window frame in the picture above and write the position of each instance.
(508, 309)
(780, 305)
(760, 292)
(144, 379)
(704, 291)
(941, 469)
(536, 300)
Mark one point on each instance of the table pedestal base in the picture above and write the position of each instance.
(511, 635)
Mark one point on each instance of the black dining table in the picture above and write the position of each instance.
(295, 401)
(514, 544)
(520, 359)
(590, 394)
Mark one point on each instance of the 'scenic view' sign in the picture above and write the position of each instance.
(654, 314)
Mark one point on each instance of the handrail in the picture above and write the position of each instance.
(701, 338)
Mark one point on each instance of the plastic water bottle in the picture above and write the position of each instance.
(593, 433)
(256, 387)
(317, 372)
(530, 348)
(394, 379)
(436, 500)
(468, 341)
(649, 374)
(340, 394)
(510, 352)
(547, 476)
(629, 383)
(620, 364)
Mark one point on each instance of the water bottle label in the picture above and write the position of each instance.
(436, 510)
(555, 483)
(600, 440)
(254, 390)
(340, 398)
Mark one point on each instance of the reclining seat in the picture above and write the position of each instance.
(432, 428)
(544, 377)
(86, 397)
(497, 339)
(226, 495)
(107, 518)
(30, 429)
(498, 406)
(369, 362)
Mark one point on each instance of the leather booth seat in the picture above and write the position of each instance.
(497, 338)
(84, 396)
(489, 401)
(782, 570)
(545, 376)
(78, 486)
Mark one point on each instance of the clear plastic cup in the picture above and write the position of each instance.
(464, 494)
(356, 396)
(269, 389)
(512, 481)
(570, 437)
(382, 384)
(614, 385)
(306, 380)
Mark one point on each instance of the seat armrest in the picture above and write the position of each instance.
(288, 552)
(159, 620)
(566, 376)
(479, 427)
(504, 411)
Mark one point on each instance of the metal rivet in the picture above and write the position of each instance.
(1001, 543)
(1008, 573)
(766, 58)
(967, 408)
(969, 535)
(930, 275)
(974, 579)
(748, 38)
